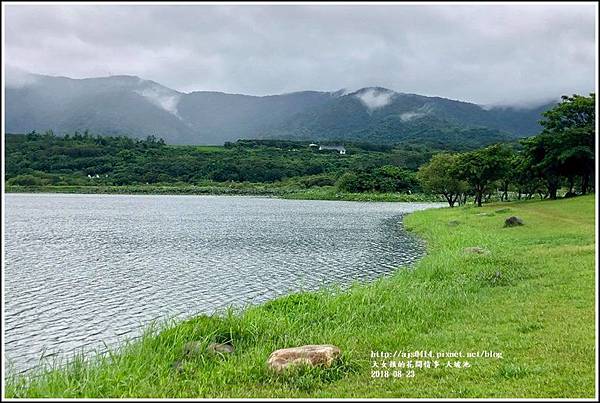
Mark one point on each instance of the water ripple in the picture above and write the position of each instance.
(84, 270)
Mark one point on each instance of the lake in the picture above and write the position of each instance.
(85, 270)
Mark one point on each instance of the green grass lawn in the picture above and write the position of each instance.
(531, 299)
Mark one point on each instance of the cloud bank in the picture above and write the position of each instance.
(488, 53)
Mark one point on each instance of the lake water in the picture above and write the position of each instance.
(84, 270)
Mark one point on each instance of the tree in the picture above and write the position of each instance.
(542, 161)
(481, 168)
(387, 178)
(565, 148)
(509, 173)
(439, 176)
(526, 180)
(355, 182)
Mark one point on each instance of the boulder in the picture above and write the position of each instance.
(503, 210)
(513, 221)
(453, 223)
(311, 355)
(476, 250)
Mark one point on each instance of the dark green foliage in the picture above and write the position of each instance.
(565, 148)
(562, 152)
(82, 159)
(481, 168)
(439, 176)
(385, 179)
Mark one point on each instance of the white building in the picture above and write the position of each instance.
(340, 149)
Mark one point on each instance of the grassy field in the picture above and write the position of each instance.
(531, 299)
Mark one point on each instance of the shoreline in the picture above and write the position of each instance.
(259, 191)
(452, 301)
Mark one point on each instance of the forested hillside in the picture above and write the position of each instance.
(84, 159)
(133, 107)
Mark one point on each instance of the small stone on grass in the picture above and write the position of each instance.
(192, 348)
(220, 348)
(513, 221)
(476, 250)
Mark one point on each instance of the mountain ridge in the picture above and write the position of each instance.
(132, 106)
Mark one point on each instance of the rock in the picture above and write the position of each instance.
(453, 223)
(220, 348)
(177, 366)
(503, 210)
(192, 348)
(312, 355)
(513, 221)
(485, 214)
(476, 250)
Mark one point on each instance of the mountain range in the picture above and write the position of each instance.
(129, 105)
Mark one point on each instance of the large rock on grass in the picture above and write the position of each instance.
(513, 221)
(311, 355)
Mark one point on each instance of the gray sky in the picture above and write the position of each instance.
(488, 54)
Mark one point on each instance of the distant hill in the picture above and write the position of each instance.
(135, 107)
(382, 116)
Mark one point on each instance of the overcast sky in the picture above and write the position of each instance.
(488, 54)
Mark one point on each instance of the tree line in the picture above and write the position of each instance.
(562, 155)
(45, 159)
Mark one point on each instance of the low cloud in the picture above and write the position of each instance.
(408, 116)
(424, 110)
(374, 98)
(161, 97)
(18, 78)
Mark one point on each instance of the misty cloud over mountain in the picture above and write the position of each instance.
(129, 105)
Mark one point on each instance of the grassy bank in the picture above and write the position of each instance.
(531, 298)
(150, 189)
(240, 189)
(330, 193)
